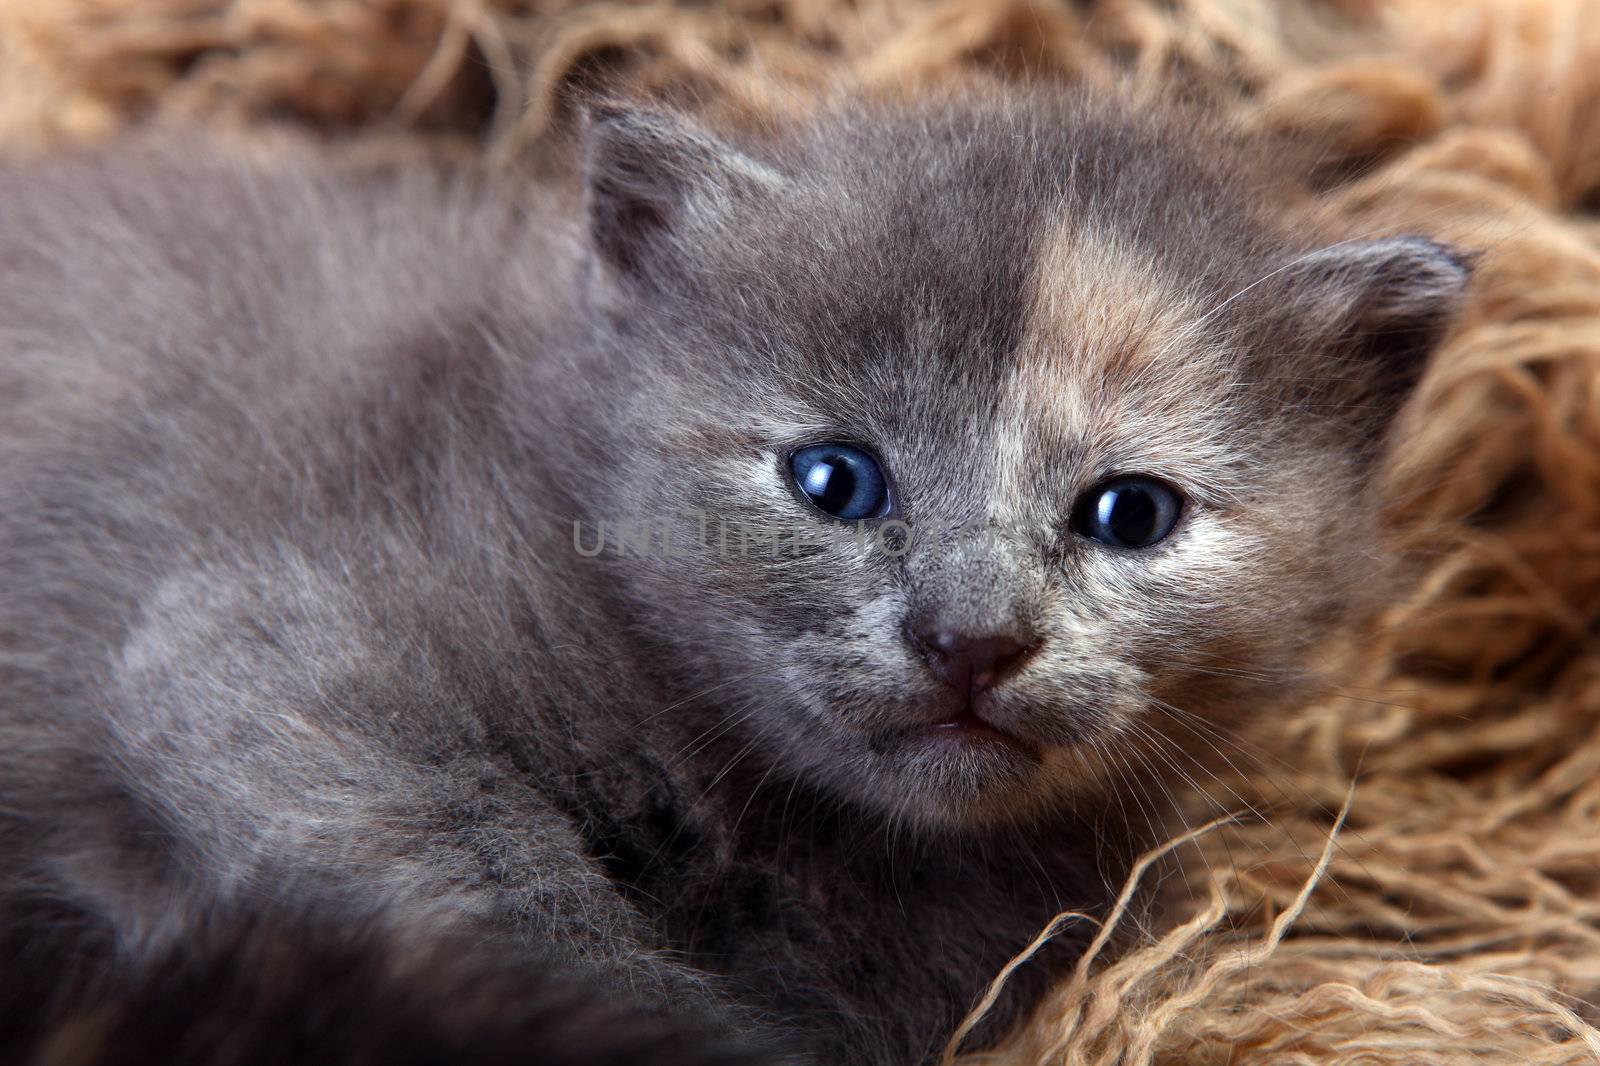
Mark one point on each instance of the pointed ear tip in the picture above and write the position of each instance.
(1466, 260)
(1444, 257)
(1403, 267)
(616, 113)
(600, 112)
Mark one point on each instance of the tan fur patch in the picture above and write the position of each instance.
(1112, 358)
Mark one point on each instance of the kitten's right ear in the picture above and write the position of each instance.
(655, 188)
(1381, 305)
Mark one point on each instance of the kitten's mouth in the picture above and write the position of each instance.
(971, 728)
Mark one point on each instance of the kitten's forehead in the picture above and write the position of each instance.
(1114, 370)
(995, 303)
(1105, 326)
(1003, 387)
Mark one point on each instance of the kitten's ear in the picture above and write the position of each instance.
(1379, 307)
(655, 187)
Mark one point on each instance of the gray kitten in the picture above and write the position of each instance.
(739, 588)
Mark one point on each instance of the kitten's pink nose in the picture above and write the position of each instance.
(970, 663)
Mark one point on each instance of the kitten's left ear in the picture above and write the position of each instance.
(657, 190)
(1381, 305)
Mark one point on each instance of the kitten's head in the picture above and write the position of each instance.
(1061, 441)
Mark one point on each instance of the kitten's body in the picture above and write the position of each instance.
(292, 620)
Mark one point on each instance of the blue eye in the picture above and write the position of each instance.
(841, 481)
(1128, 512)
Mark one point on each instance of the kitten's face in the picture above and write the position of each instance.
(1040, 489)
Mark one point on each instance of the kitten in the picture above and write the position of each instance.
(739, 581)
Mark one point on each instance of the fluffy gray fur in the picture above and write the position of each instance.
(292, 621)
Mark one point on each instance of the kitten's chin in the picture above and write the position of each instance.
(968, 773)
(944, 764)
